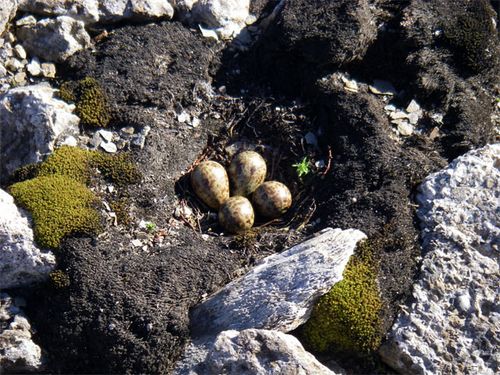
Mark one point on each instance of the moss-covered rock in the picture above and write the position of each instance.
(347, 317)
(91, 102)
(59, 205)
(57, 194)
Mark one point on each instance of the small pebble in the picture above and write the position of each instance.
(48, 70)
(390, 107)
(311, 139)
(413, 117)
(26, 21)
(398, 115)
(381, 87)
(70, 141)
(413, 107)
(183, 117)
(463, 303)
(405, 129)
(109, 147)
(320, 164)
(20, 51)
(14, 64)
(20, 78)
(3, 71)
(34, 67)
(127, 130)
(10, 38)
(106, 135)
(136, 243)
(195, 122)
(250, 19)
(208, 33)
(434, 133)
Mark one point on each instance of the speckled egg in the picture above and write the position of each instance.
(236, 215)
(210, 183)
(272, 199)
(247, 171)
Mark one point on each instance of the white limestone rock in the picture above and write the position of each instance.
(54, 39)
(21, 261)
(31, 120)
(228, 17)
(251, 352)
(93, 11)
(18, 352)
(279, 293)
(83, 10)
(151, 9)
(8, 10)
(453, 325)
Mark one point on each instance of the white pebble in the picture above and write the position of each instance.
(20, 51)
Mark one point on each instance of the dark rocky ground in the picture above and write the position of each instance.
(126, 309)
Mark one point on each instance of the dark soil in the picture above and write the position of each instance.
(126, 309)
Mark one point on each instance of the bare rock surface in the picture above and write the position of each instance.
(280, 292)
(84, 10)
(8, 10)
(103, 11)
(117, 10)
(55, 39)
(251, 352)
(227, 16)
(31, 120)
(21, 261)
(452, 325)
(18, 352)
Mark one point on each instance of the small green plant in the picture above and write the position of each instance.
(302, 167)
(150, 227)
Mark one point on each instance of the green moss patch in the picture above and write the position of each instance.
(91, 102)
(347, 318)
(68, 161)
(57, 193)
(116, 168)
(59, 206)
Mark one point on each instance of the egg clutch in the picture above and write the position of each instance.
(247, 173)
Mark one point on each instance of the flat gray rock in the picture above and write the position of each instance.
(279, 293)
(453, 325)
(21, 261)
(31, 121)
(54, 39)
